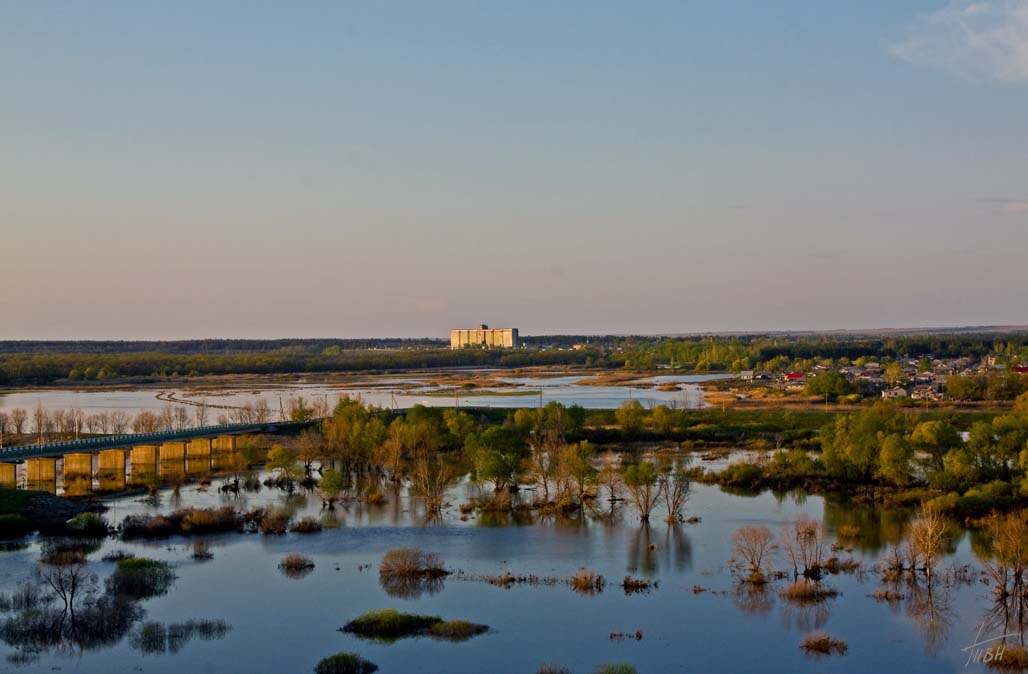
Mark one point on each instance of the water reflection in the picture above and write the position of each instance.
(154, 638)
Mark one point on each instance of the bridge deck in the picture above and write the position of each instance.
(20, 452)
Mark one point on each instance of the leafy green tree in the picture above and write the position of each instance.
(664, 420)
(285, 461)
(630, 417)
(935, 439)
(497, 454)
(831, 384)
(851, 444)
(459, 425)
(641, 481)
(894, 461)
(331, 485)
(578, 462)
(894, 374)
(960, 387)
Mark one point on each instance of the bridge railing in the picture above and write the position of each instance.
(66, 446)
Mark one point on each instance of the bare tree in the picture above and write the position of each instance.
(80, 421)
(181, 415)
(1008, 538)
(18, 418)
(40, 422)
(119, 421)
(431, 478)
(804, 543)
(200, 411)
(752, 549)
(261, 411)
(928, 536)
(674, 487)
(145, 422)
(166, 420)
(5, 426)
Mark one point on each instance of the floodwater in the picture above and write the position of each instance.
(279, 624)
(389, 392)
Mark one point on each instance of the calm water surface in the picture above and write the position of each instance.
(383, 392)
(279, 624)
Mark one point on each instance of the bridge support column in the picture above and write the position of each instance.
(78, 474)
(198, 456)
(8, 475)
(173, 460)
(224, 443)
(143, 463)
(41, 470)
(110, 470)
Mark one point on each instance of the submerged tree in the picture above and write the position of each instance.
(752, 549)
(673, 487)
(641, 481)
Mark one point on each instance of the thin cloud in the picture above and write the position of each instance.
(976, 40)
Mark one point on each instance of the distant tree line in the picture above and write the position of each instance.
(42, 368)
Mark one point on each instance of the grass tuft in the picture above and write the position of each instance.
(820, 643)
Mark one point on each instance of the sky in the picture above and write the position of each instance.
(352, 169)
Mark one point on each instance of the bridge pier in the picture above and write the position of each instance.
(41, 470)
(224, 443)
(8, 475)
(110, 471)
(198, 456)
(41, 474)
(77, 478)
(142, 463)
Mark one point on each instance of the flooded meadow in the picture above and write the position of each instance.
(230, 605)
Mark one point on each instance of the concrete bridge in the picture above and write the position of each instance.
(141, 456)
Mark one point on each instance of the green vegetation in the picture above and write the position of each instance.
(388, 625)
(140, 578)
(345, 663)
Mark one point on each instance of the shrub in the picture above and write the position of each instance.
(631, 585)
(823, 644)
(390, 624)
(345, 663)
(275, 521)
(296, 566)
(746, 475)
(588, 582)
(456, 630)
(89, 525)
(807, 591)
(307, 525)
(409, 562)
(140, 578)
(208, 520)
(14, 526)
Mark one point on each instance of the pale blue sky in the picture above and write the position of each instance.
(271, 169)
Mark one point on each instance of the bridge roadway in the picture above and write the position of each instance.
(55, 449)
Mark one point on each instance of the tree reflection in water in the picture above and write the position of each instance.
(754, 598)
